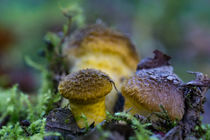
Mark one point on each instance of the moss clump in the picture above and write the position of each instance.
(16, 106)
(141, 132)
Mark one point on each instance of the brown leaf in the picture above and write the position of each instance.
(160, 59)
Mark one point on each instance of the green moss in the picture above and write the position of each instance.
(206, 128)
(67, 120)
(12, 132)
(17, 106)
(141, 133)
(35, 131)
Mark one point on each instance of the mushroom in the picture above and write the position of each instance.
(86, 91)
(99, 47)
(154, 85)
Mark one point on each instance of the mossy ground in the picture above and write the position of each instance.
(24, 117)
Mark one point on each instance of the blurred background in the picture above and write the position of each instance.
(178, 28)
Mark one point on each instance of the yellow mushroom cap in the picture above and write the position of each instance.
(86, 85)
(150, 88)
(100, 39)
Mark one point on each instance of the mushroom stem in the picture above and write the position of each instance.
(94, 112)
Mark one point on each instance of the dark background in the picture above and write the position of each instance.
(178, 28)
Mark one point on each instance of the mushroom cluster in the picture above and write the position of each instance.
(96, 52)
(99, 47)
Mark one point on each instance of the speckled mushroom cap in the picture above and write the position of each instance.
(85, 86)
(100, 39)
(157, 86)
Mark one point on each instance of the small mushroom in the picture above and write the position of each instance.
(86, 91)
(102, 48)
(154, 86)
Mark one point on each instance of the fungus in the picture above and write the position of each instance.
(86, 91)
(152, 87)
(99, 47)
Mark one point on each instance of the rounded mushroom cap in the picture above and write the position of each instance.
(100, 39)
(85, 85)
(154, 87)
